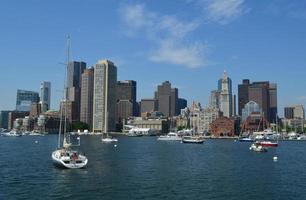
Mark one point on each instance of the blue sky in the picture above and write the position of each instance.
(188, 42)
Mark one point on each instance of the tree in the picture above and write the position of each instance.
(79, 126)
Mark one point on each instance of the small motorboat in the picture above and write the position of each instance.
(258, 148)
(246, 139)
(170, 137)
(193, 139)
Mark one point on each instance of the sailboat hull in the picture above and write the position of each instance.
(68, 162)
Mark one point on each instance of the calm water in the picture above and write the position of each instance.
(143, 168)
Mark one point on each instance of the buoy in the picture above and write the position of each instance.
(115, 145)
(36, 141)
(275, 158)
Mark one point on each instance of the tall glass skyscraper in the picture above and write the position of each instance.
(45, 96)
(25, 99)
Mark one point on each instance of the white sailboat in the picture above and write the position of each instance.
(64, 156)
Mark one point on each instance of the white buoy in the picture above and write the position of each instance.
(36, 141)
(275, 158)
(115, 145)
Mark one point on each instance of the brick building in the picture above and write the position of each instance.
(223, 126)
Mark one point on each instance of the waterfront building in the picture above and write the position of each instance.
(249, 108)
(263, 93)
(68, 109)
(160, 125)
(25, 99)
(45, 96)
(148, 105)
(255, 122)
(13, 115)
(87, 90)
(167, 98)
(4, 115)
(294, 112)
(223, 126)
(74, 84)
(104, 104)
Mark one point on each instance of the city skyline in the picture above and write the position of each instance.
(274, 47)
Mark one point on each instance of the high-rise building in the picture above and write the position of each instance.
(249, 108)
(226, 101)
(87, 90)
(289, 112)
(127, 91)
(263, 93)
(25, 100)
(167, 98)
(74, 84)
(69, 110)
(182, 103)
(214, 101)
(4, 119)
(148, 105)
(45, 96)
(104, 104)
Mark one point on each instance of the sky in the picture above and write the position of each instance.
(188, 42)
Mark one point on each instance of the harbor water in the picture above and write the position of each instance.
(144, 168)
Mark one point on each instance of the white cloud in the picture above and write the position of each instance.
(221, 11)
(191, 56)
(167, 32)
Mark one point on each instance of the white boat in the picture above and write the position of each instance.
(64, 156)
(170, 137)
(193, 139)
(12, 133)
(109, 139)
(258, 148)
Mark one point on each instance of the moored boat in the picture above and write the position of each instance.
(193, 139)
(268, 143)
(258, 148)
(170, 137)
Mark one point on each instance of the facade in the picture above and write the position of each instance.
(249, 108)
(263, 93)
(182, 103)
(87, 90)
(255, 122)
(45, 96)
(158, 125)
(104, 103)
(4, 119)
(68, 109)
(126, 100)
(295, 112)
(148, 105)
(25, 100)
(222, 98)
(36, 110)
(223, 126)
(13, 115)
(167, 98)
(207, 116)
(74, 84)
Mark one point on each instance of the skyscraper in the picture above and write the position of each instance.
(45, 96)
(25, 100)
(294, 112)
(148, 105)
(167, 98)
(263, 93)
(74, 76)
(87, 89)
(104, 106)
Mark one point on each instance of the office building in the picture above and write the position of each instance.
(294, 112)
(182, 103)
(126, 99)
(13, 115)
(25, 99)
(45, 96)
(263, 93)
(167, 98)
(104, 103)
(74, 84)
(87, 90)
(148, 105)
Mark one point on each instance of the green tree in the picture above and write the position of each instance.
(79, 126)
